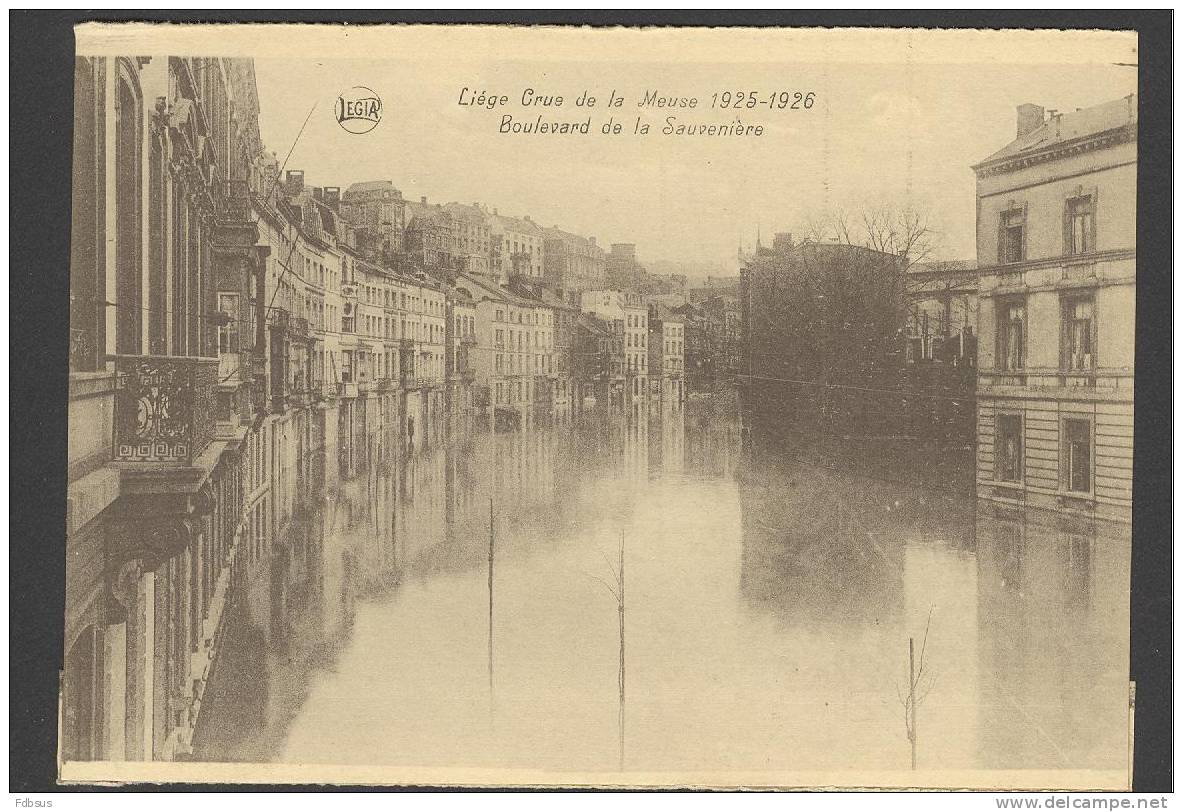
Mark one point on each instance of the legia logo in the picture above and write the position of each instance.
(358, 110)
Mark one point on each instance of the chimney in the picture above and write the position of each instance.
(1030, 118)
(423, 200)
(295, 181)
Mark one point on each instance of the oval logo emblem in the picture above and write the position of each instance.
(358, 110)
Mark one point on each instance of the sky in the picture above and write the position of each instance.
(900, 127)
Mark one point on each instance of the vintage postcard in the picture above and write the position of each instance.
(568, 406)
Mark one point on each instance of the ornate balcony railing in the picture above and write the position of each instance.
(164, 407)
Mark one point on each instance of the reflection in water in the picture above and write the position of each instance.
(770, 607)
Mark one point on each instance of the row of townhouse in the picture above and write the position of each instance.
(463, 238)
(236, 351)
(243, 344)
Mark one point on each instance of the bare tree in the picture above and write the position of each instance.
(920, 684)
(616, 588)
(901, 231)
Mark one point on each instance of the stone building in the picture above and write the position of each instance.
(572, 262)
(518, 244)
(472, 238)
(505, 359)
(1056, 252)
(378, 208)
(625, 308)
(667, 354)
(460, 369)
(621, 269)
(429, 237)
(598, 360)
(168, 496)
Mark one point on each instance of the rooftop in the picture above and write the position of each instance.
(370, 186)
(1061, 128)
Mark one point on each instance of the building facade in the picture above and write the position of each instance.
(667, 355)
(377, 207)
(626, 308)
(572, 262)
(518, 244)
(1056, 252)
(167, 497)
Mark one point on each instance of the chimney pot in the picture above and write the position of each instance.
(1029, 118)
(423, 200)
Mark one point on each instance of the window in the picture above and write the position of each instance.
(86, 341)
(1079, 223)
(1077, 459)
(1011, 226)
(228, 332)
(1012, 317)
(128, 304)
(1077, 336)
(1008, 448)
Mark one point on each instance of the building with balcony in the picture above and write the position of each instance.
(627, 308)
(519, 244)
(377, 210)
(556, 318)
(459, 360)
(167, 500)
(430, 238)
(504, 353)
(598, 360)
(1056, 255)
(471, 238)
(667, 355)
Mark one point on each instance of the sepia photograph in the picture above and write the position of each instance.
(630, 407)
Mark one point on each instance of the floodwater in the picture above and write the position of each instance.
(768, 611)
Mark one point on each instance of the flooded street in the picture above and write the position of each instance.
(769, 607)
